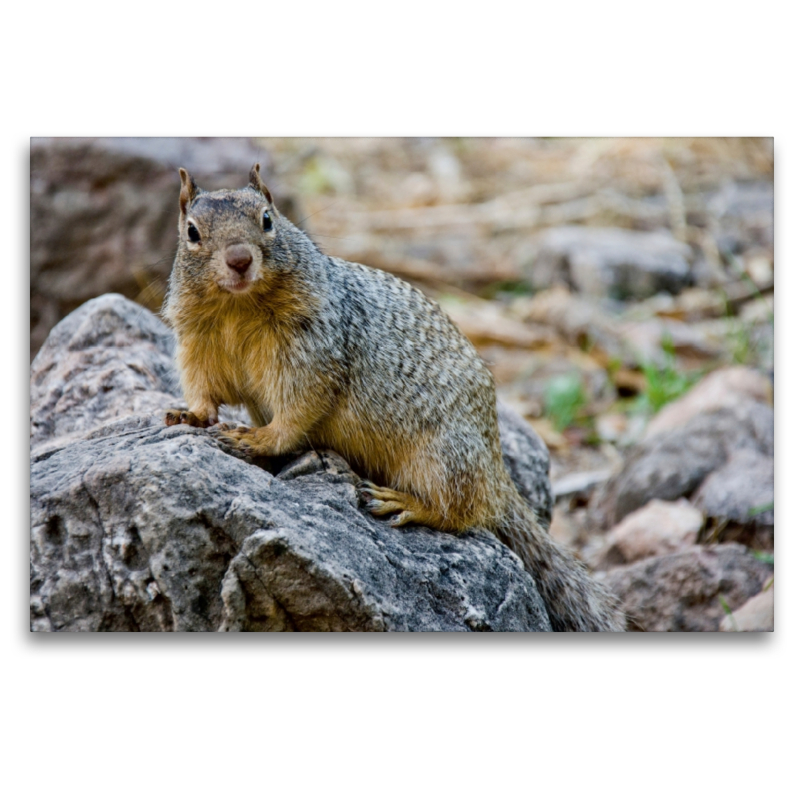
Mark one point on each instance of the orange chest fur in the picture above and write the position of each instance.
(235, 363)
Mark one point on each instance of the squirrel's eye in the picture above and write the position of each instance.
(194, 234)
(266, 221)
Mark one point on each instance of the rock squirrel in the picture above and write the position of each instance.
(325, 353)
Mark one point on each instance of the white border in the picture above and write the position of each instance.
(447, 716)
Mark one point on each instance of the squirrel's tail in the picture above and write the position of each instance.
(575, 601)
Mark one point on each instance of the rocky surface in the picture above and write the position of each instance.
(685, 591)
(111, 358)
(135, 526)
(727, 442)
(656, 529)
(702, 473)
(620, 263)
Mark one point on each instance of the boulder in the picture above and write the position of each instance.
(744, 215)
(685, 591)
(675, 463)
(612, 261)
(136, 526)
(739, 500)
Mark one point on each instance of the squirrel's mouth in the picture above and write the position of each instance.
(235, 285)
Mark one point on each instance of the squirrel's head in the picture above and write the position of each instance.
(229, 241)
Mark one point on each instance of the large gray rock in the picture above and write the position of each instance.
(111, 358)
(685, 591)
(744, 214)
(135, 526)
(621, 263)
(675, 463)
(104, 213)
(742, 490)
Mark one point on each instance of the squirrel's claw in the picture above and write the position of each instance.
(381, 501)
(403, 518)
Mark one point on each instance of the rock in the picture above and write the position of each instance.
(578, 484)
(646, 339)
(612, 426)
(744, 215)
(656, 529)
(566, 526)
(527, 460)
(757, 614)
(483, 323)
(579, 320)
(760, 311)
(681, 591)
(758, 266)
(587, 322)
(622, 263)
(722, 388)
(742, 490)
(136, 526)
(691, 305)
(739, 498)
(104, 214)
(673, 464)
(112, 358)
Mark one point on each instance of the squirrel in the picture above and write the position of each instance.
(329, 354)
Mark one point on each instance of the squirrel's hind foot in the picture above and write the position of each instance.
(380, 501)
(240, 438)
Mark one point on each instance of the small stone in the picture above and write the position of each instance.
(656, 529)
(611, 427)
(757, 614)
(759, 268)
(720, 389)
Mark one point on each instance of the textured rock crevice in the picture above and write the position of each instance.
(135, 526)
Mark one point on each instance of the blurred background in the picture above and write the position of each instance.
(621, 291)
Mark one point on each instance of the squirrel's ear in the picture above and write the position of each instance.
(257, 183)
(189, 189)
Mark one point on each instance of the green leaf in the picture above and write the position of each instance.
(756, 510)
(563, 399)
(666, 383)
(727, 609)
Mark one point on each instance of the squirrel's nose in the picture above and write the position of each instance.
(238, 258)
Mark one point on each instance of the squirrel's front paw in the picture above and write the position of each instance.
(178, 416)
